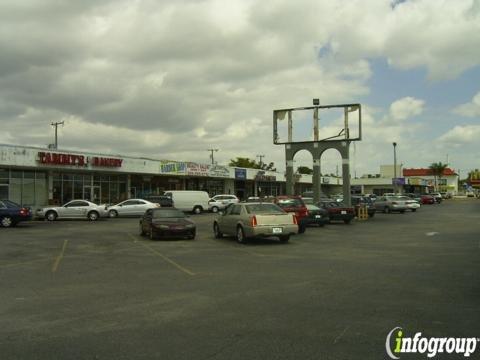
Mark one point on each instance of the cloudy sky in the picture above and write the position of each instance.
(170, 79)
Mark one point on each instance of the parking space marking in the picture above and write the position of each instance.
(156, 252)
(59, 257)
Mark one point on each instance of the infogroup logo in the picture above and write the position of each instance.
(401, 344)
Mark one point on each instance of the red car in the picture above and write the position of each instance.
(338, 211)
(294, 204)
(427, 199)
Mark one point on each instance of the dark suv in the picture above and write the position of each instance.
(163, 200)
(294, 204)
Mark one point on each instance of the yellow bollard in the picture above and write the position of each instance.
(362, 212)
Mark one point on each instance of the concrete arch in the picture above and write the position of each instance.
(317, 149)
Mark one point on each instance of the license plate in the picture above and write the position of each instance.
(318, 216)
(277, 230)
(343, 212)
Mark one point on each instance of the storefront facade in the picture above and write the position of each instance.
(37, 177)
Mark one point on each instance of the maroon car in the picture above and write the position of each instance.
(294, 204)
(338, 211)
(427, 199)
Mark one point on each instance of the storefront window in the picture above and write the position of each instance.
(4, 174)
(15, 190)
(78, 187)
(28, 190)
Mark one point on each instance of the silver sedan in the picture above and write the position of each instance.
(75, 209)
(131, 207)
(248, 220)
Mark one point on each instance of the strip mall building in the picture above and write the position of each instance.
(33, 176)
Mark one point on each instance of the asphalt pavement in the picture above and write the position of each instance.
(97, 290)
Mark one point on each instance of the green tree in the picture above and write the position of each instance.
(251, 164)
(437, 170)
(304, 170)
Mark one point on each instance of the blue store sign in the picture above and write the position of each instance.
(240, 174)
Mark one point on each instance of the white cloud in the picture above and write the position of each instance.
(471, 109)
(462, 134)
(405, 108)
(175, 78)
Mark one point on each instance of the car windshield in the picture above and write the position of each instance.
(10, 204)
(403, 198)
(264, 209)
(168, 213)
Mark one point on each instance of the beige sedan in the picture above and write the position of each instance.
(248, 220)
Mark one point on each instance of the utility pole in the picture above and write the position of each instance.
(211, 155)
(260, 161)
(55, 124)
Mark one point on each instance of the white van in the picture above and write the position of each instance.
(187, 200)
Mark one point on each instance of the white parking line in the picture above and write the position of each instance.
(156, 252)
(59, 257)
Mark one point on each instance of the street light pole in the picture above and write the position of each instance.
(395, 167)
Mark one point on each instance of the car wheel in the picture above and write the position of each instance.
(240, 235)
(371, 215)
(413, 210)
(216, 231)
(347, 221)
(402, 211)
(152, 234)
(93, 216)
(191, 236)
(142, 232)
(197, 210)
(113, 213)
(386, 210)
(51, 216)
(284, 239)
(215, 209)
(7, 221)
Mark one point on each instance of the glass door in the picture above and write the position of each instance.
(92, 193)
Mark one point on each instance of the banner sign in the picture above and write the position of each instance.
(398, 181)
(173, 168)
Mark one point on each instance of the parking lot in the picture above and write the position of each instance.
(97, 290)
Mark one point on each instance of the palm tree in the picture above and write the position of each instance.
(437, 170)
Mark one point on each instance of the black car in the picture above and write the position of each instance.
(11, 213)
(316, 216)
(358, 201)
(167, 222)
(163, 200)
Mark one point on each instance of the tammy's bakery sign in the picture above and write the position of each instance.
(49, 158)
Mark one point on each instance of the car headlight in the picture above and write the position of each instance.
(189, 226)
(160, 226)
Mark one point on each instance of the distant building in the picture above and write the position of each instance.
(423, 180)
